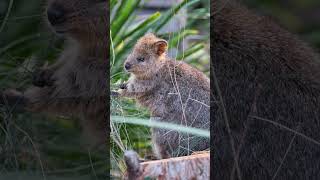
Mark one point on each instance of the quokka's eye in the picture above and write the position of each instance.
(140, 59)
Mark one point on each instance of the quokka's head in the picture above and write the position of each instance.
(147, 55)
(78, 18)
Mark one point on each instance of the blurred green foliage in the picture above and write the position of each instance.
(298, 16)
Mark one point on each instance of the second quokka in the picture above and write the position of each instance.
(75, 85)
(173, 91)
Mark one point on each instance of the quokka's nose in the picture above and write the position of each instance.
(127, 66)
(56, 14)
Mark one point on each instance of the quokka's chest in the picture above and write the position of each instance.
(158, 101)
(82, 80)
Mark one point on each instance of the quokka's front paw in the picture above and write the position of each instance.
(123, 86)
(114, 94)
(43, 78)
(121, 92)
(13, 99)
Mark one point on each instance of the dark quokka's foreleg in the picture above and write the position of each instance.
(39, 94)
(33, 99)
(13, 100)
(45, 100)
(18, 101)
(44, 76)
(42, 97)
(91, 111)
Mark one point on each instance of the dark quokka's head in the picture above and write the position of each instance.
(78, 18)
(146, 56)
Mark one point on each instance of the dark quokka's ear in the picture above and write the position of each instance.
(160, 47)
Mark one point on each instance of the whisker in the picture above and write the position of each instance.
(288, 129)
(285, 155)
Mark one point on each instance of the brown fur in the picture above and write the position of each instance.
(164, 85)
(264, 73)
(76, 84)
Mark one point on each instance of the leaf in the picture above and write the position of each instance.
(179, 36)
(190, 51)
(152, 18)
(163, 125)
(125, 10)
(170, 13)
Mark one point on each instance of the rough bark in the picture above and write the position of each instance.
(195, 166)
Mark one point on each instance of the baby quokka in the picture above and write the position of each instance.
(173, 91)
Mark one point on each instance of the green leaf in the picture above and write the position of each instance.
(125, 10)
(178, 36)
(151, 19)
(166, 17)
(190, 51)
(113, 3)
(163, 125)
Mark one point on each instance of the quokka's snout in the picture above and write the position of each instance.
(56, 14)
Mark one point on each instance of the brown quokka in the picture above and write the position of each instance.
(270, 86)
(173, 91)
(76, 84)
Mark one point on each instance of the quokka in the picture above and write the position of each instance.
(173, 91)
(270, 85)
(76, 85)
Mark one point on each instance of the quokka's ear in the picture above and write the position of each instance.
(160, 47)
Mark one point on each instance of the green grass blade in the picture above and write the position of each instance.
(152, 18)
(178, 36)
(18, 42)
(163, 125)
(166, 17)
(125, 10)
(190, 51)
(113, 3)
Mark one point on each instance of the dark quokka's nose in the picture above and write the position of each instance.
(56, 14)
(127, 66)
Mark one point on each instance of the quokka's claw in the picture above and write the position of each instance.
(123, 86)
(43, 78)
(13, 99)
(114, 93)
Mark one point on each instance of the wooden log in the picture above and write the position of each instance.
(195, 166)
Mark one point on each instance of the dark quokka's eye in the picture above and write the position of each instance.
(140, 59)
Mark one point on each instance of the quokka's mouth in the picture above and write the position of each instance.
(128, 70)
(59, 30)
(131, 71)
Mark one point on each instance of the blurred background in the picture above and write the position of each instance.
(301, 17)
